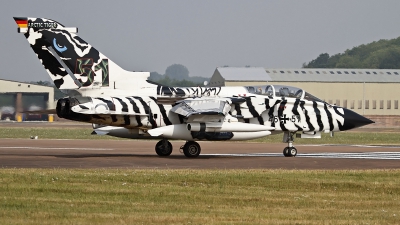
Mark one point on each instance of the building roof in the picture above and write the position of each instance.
(17, 86)
(244, 73)
(310, 75)
(335, 75)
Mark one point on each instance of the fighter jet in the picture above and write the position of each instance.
(126, 104)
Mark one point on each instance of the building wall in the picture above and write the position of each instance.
(363, 98)
(7, 86)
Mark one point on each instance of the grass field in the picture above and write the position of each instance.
(365, 137)
(39, 196)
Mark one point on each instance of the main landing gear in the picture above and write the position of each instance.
(191, 149)
(289, 151)
(164, 148)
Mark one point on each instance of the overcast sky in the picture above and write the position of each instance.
(202, 35)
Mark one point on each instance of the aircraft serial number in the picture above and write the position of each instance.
(284, 119)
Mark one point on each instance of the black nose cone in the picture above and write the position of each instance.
(353, 120)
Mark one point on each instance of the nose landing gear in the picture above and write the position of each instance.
(289, 151)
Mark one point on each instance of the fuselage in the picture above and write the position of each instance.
(278, 110)
(145, 112)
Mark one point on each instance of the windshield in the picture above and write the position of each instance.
(311, 97)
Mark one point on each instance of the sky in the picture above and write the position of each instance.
(150, 35)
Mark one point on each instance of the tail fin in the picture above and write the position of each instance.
(71, 62)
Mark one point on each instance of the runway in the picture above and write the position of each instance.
(27, 153)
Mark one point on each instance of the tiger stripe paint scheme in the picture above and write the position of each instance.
(130, 106)
(290, 114)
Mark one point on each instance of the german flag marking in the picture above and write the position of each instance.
(21, 22)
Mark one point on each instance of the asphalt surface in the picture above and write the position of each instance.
(30, 153)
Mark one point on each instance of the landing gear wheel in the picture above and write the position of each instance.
(191, 149)
(163, 148)
(290, 152)
(286, 152)
(293, 152)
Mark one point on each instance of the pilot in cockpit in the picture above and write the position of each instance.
(284, 92)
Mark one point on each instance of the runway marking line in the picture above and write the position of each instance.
(360, 146)
(356, 155)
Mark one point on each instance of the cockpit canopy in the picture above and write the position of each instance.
(276, 91)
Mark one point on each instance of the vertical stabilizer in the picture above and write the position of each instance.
(71, 62)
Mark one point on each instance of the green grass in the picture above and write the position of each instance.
(364, 137)
(100, 196)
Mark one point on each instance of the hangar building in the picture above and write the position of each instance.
(374, 93)
(16, 97)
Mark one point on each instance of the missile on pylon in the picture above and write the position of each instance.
(241, 136)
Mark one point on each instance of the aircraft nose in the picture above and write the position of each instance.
(353, 120)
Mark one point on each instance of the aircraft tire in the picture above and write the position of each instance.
(162, 149)
(293, 152)
(191, 149)
(286, 152)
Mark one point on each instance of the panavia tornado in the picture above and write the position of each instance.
(125, 104)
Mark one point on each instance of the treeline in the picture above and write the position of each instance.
(177, 75)
(166, 81)
(382, 54)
